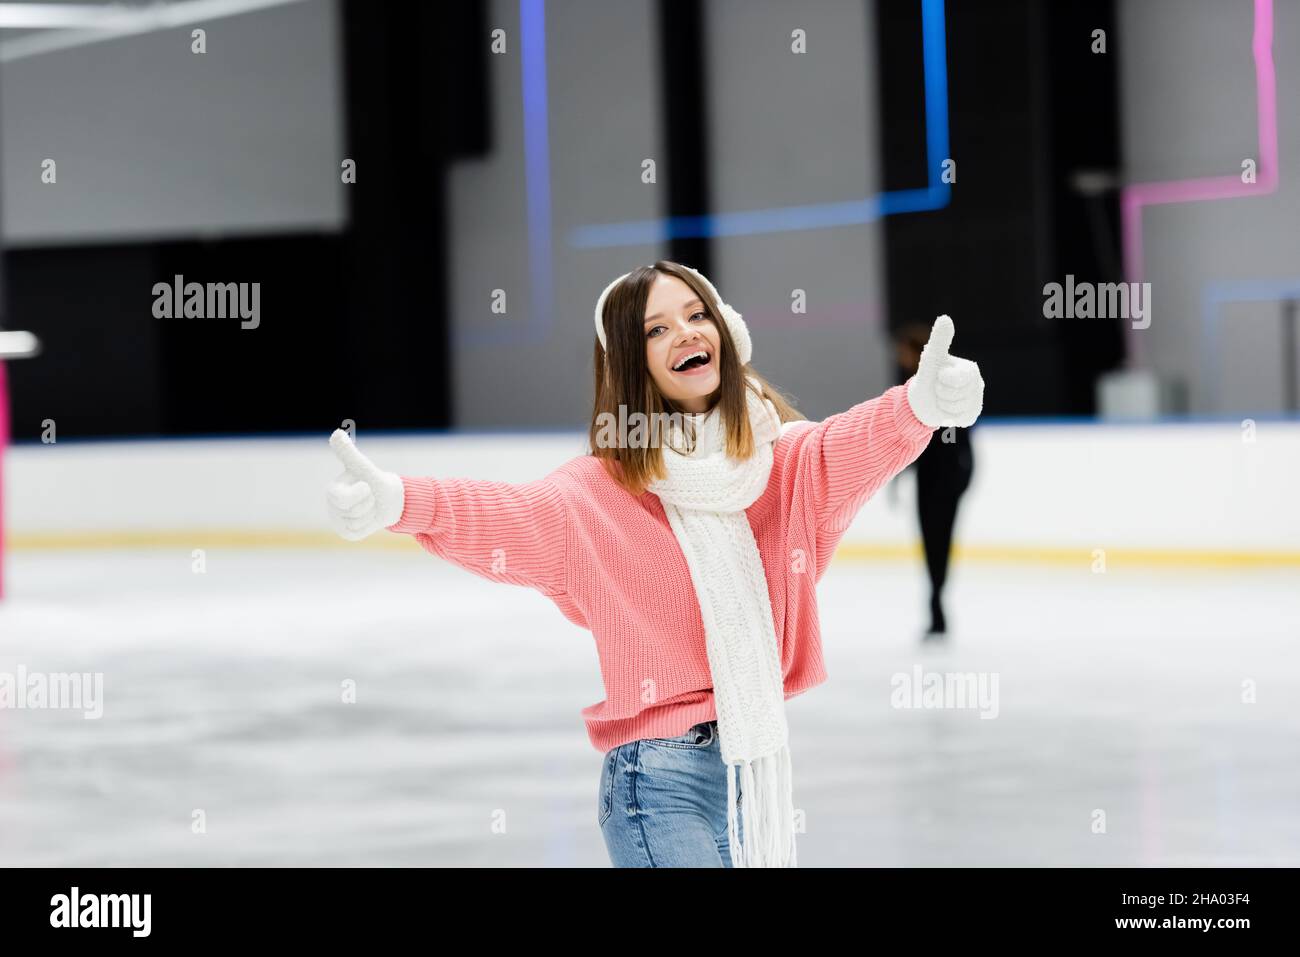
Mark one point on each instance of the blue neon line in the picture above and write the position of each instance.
(537, 151)
(500, 330)
(506, 330)
(1214, 295)
(936, 195)
(935, 53)
(748, 222)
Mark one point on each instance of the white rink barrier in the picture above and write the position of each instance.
(1204, 492)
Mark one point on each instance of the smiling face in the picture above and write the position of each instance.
(677, 328)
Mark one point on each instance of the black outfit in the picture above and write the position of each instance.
(943, 473)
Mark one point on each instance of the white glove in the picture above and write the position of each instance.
(364, 498)
(945, 390)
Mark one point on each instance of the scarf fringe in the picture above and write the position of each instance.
(762, 833)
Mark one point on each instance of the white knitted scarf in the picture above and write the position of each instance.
(705, 496)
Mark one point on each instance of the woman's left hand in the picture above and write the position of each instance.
(945, 390)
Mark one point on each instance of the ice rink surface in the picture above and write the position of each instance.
(1119, 692)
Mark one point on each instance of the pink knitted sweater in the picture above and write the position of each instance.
(610, 562)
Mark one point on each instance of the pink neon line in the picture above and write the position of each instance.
(4, 440)
(1133, 198)
(859, 313)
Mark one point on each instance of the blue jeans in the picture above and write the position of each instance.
(663, 801)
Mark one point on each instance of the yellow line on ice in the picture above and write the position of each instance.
(1078, 556)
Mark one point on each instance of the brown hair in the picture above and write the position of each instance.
(625, 380)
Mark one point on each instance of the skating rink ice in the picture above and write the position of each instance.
(1119, 692)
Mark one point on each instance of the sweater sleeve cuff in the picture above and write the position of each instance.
(909, 426)
(419, 502)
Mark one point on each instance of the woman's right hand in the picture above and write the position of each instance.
(364, 498)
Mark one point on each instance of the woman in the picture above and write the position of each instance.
(693, 561)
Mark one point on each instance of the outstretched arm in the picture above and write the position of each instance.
(508, 533)
(844, 459)
(848, 456)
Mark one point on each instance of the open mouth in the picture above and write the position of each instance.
(693, 363)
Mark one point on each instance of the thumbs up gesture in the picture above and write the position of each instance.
(364, 498)
(946, 390)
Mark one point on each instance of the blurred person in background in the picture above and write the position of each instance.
(943, 472)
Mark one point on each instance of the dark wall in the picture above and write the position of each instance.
(355, 325)
(683, 47)
(352, 325)
(1029, 105)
